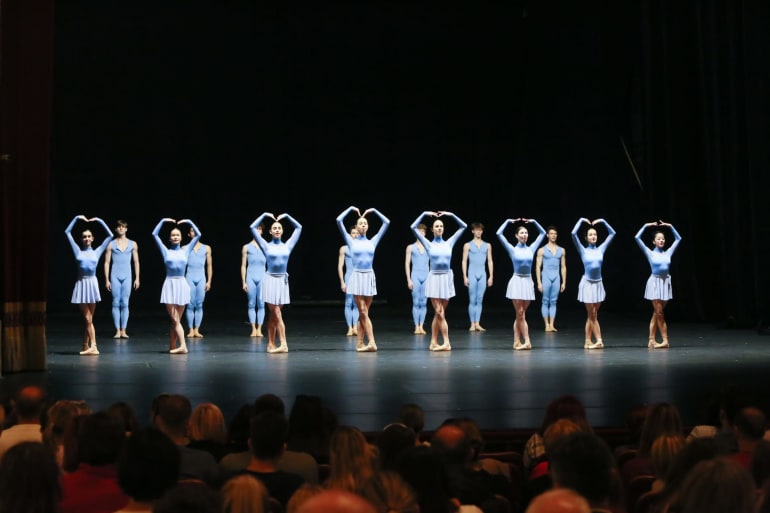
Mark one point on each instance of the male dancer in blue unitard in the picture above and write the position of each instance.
(344, 270)
(198, 274)
(253, 264)
(121, 253)
(362, 282)
(551, 273)
(477, 257)
(417, 267)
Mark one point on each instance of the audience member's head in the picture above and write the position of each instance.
(352, 459)
(393, 439)
(125, 414)
(269, 402)
(268, 435)
(29, 404)
(389, 492)
(174, 411)
(565, 406)
(245, 493)
(716, 486)
(336, 501)
(750, 424)
(301, 495)
(29, 479)
(634, 420)
(663, 453)
(100, 439)
(58, 419)
(662, 419)
(238, 429)
(148, 465)
(560, 500)
(423, 469)
(453, 444)
(412, 415)
(189, 497)
(208, 423)
(583, 462)
(473, 432)
(560, 428)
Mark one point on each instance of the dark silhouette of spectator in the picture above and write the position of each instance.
(565, 406)
(412, 415)
(24, 422)
(718, 485)
(29, 479)
(125, 414)
(189, 497)
(391, 441)
(308, 427)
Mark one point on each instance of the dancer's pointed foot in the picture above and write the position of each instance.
(369, 348)
(517, 345)
(597, 345)
(587, 344)
(417, 330)
(662, 345)
(443, 347)
(283, 348)
(433, 345)
(270, 347)
(259, 333)
(179, 350)
(526, 345)
(90, 351)
(550, 328)
(651, 342)
(422, 331)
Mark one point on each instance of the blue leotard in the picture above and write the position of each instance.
(440, 284)
(591, 289)
(176, 290)
(87, 287)
(550, 275)
(196, 278)
(275, 286)
(419, 276)
(255, 271)
(521, 286)
(362, 281)
(120, 281)
(477, 278)
(659, 283)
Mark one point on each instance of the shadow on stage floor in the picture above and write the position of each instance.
(482, 377)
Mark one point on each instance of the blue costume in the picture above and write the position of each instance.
(275, 283)
(87, 286)
(176, 290)
(520, 286)
(120, 281)
(255, 271)
(477, 278)
(196, 279)
(419, 277)
(440, 284)
(362, 281)
(551, 279)
(659, 283)
(591, 288)
(351, 308)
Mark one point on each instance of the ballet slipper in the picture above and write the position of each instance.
(443, 347)
(117, 335)
(651, 343)
(587, 344)
(433, 345)
(472, 328)
(662, 345)
(283, 348)
(526, 345)
(598, 345)
(479, 328)
(517, 345)
(179, 350)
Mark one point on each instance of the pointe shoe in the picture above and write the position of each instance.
(472, 328)
(443, 347)
(651, 343)
(517, 345)
(259, 334)
(479, 328)
(270, 348)
(598, 345)
(90, 351)
(552, 328)
(662, 345)
(124, 335)
(526, 345)
(433, 345)
(587, 344)
(283, 348)
(179, 350)
(198, 334)
(372, 346)
(350, 332)
(369, 348)
(118, 335)
(422, 331)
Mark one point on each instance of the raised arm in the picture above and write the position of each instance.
(341, 223)
(106, 241)
(254, 233)
(195, 239)
(540, 237)
(68, 232)
(638, 237)
(417, 234)
(610, 234)
(295, 234)
(501, 233)
(575, 239)
(460, 230)
(156, 234)
(677, 237)
(383, 228)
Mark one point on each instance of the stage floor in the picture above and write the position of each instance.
(482, 377)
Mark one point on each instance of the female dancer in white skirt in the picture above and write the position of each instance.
(275, 284)
(86, 292)
(591, 288)
(440, 286)
(658, 289)
(521, 288)
(175, 293)
(361, 282)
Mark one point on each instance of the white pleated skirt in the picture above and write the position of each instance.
(658, 287)
(175, 291)
(275, 289)
(86, 290)
(521, 287)
(362, 283)
(440, 285)
(590, 291)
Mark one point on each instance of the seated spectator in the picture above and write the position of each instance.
(716, 486)
(29, 479)
(749, 426)
(662, 419)
(147, 468)
(267, 440)
(473, 432)
(173, 418)
(336, 501)
(58, 421)
(207, 430)
(189, 496)
(125, 415)
(413, 416)
(352, 459)
(26, 416)
(389, 492)
(565, 406)
(634, 420)
(93, 486)
(245, 494)
(310, 427)
(302, 494)
(562, 500)
(662, 455)
(391, 441)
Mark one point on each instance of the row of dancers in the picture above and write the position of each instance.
(427, 266)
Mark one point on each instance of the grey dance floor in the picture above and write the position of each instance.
(482, 377)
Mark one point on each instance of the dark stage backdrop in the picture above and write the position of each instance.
(221, 110)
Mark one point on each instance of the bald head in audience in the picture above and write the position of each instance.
(336, 501)
(559, 500)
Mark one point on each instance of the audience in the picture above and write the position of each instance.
(29, 479)
(565, 406)
(27, 412)
(245, 493)
(207, 430)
